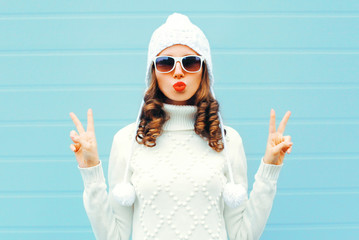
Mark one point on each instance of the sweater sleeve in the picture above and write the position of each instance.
(247, 221)
(109, 220)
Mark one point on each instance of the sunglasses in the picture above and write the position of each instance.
(191, 63)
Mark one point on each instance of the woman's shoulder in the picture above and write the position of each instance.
(232, 133)
(126, 132)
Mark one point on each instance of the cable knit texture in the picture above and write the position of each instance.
(179, 185)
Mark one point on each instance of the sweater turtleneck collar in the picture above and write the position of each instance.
(182, 117)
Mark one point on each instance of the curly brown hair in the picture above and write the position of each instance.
(206, 123)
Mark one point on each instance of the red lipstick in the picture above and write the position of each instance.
(179, 86)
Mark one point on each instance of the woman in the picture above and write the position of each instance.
(170, 172)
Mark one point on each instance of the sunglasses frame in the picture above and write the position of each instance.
(179, 59)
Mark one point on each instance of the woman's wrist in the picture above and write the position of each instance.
(90, 164)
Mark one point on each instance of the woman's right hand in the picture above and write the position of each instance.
(85, 145)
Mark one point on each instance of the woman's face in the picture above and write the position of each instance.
(167, 81)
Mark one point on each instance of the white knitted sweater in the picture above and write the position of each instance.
(178, 185)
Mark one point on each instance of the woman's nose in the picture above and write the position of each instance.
(178, 70)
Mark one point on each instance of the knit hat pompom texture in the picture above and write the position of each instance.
(178, 29)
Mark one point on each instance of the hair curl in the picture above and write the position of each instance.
(206, 119)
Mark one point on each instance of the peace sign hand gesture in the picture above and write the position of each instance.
(85, 145)
(277, 144)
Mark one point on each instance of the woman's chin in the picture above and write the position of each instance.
(177, 101)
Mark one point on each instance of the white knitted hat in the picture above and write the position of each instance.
(178, 29)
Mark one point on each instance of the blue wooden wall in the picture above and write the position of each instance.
(58, 57)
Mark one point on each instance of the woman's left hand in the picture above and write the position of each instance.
(277, 144)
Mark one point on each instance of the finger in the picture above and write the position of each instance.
(284, 146)
(90, 123)
(278, 138)
(79, 141)
(74, 136)
(287, 138)
(77, 123)
(284, 121)
(75, 147)
(272, 121)
(290, 149)
(72, 147)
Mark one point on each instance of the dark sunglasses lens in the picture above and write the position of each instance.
(164, 64)
(191, 63)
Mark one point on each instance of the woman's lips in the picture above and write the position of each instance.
(179, 86)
